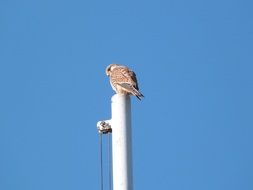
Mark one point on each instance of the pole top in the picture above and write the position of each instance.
(116, 97)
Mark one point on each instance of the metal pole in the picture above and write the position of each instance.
(121, 142)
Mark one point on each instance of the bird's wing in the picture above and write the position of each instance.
(121, 75)
(134, 79)
(126, 79)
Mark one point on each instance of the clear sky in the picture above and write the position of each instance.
(194, 62)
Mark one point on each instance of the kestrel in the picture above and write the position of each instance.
(123, 80)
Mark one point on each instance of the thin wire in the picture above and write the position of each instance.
(109, 162)
(101, 161)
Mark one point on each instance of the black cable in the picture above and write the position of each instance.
(109, 162)
(109, 143)
(101, 161)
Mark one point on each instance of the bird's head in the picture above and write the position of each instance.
(109, 69)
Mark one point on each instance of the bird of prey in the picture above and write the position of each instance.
(123, 80)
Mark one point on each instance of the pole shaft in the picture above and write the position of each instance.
(122, 143)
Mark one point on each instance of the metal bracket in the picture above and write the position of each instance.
(104, 127)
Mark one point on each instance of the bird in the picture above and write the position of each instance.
(123, 80)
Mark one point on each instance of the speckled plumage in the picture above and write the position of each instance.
(123, 80)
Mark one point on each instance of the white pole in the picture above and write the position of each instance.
(121, 142)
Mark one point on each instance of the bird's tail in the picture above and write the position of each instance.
(137, 93)
(132, 90)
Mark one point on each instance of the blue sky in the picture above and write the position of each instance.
(192, 131)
